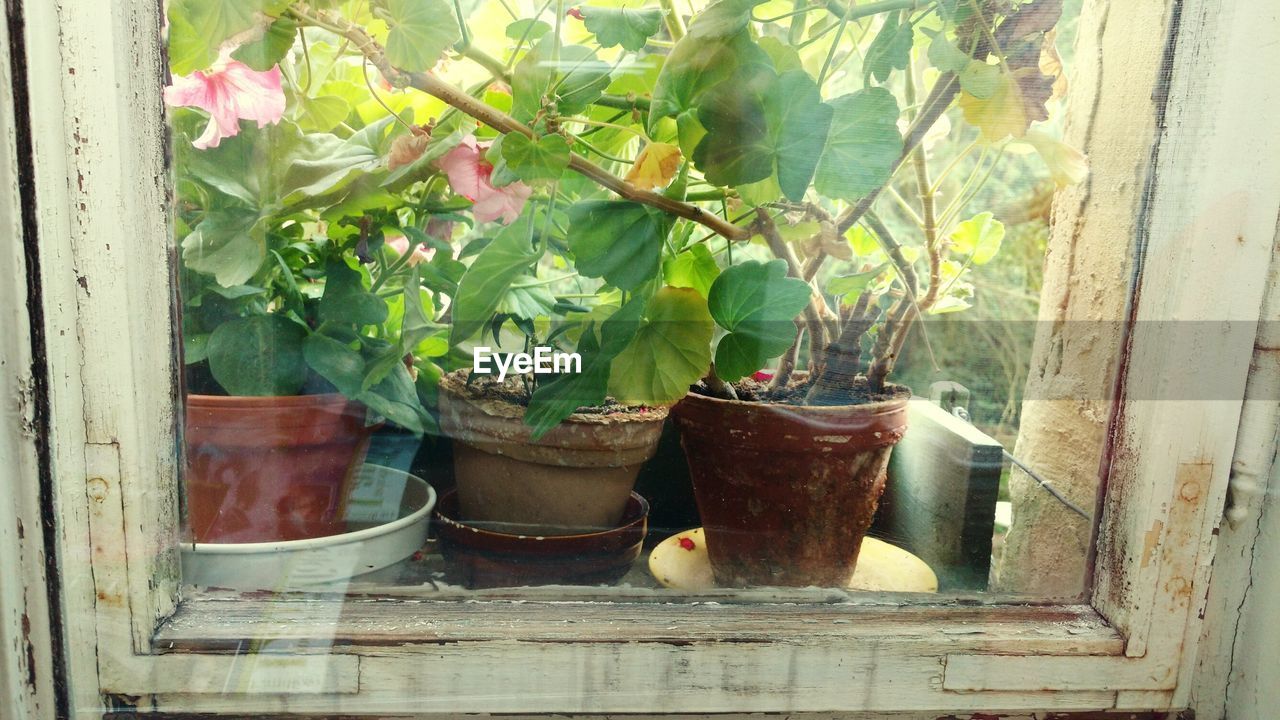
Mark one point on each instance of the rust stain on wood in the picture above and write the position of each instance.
(1150, 541)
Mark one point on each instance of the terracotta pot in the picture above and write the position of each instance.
(574, 479)
(264, 469)
(482, 557)
(787, 492)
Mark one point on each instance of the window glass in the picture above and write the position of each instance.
(652, 299)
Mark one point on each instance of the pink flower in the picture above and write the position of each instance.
(469, 174)
(400, 244)
(229, 91)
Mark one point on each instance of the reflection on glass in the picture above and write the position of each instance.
(601, 296)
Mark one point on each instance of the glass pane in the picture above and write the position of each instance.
(649, 301)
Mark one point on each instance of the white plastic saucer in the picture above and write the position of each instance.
(316, 562)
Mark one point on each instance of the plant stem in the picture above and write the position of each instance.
(854, 12)
(929, 222)
(719, 388)
(817, 308)
(436, 87)
(675, 23)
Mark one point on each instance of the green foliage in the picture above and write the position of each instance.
(618, 240)
(978, 237)
(578, 79)
(258, 355)
(757, 303)
(485, 283)
(694, 268)
(290, 279)
(628, 27)
(891, 49)
(556, 400)
(271, 48)
(722, 19)
(530, 159)
(760, 124)
(420, 31)
(671, 350)
(862, 146)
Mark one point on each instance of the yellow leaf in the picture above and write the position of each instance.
(1067, 165)
(1017, 102)
(1051, 64)
(656, 165)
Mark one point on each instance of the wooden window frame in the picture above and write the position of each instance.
(102, 288)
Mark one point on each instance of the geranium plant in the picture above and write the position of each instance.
(680, 198)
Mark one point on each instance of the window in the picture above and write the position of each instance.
(139, 639)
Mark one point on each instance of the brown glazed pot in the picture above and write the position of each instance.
(482, 557)
(263, 469)
(787, 492)
(575, 479)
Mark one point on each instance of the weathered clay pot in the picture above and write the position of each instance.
(575, 479)
(787, 492)
(263, 469)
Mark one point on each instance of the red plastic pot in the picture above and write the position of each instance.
(263, 469)
(787, 492)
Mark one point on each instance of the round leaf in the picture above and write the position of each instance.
(862, 146)
(757, 303)
(618, 240)
(420, 32)
(670, 351)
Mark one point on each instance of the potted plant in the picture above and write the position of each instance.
(305, 316)
(683, 202)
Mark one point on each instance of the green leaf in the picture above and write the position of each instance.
(267, 51)
(322, 113)
(528, 299)
(396, 399)
(335, 362)
(890, 50)
(980, 79)
(736, 148)
(490, 275)
(346, 301)
(229, 244)
(556, 400)
(618, 240)
(416, 325)
(783, 57)
(694, 268)
(258, 356)
(694, 66)
(420, 31)
(527, 28)
(545, 158)
(944, 55)
(854, 283)
(188, 51)
(580, 78)
(862, 146)
(760, 122)
(757, 303)
(670, 351)
(722, 19)
(979, 236)
(628, 27)
(798, 125)
(213, 21)
(326, 164)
